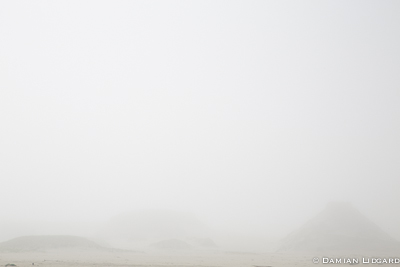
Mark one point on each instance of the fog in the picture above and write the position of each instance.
(249, 115)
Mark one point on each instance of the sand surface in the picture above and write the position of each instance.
(96, 258)
(84, 257)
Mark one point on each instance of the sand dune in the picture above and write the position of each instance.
(340, 227)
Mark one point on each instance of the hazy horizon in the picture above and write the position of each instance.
(252, 115)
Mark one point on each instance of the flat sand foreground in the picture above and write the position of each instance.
(182, 259)
(82, 258)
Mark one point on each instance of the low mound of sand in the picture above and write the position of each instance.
(27, 243)
(202, 242)
(171, 244)
(152, 225)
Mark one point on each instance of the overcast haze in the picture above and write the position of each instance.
(252, 115)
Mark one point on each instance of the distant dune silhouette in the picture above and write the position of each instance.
(145, 227)
(171, 244)
(339, 228)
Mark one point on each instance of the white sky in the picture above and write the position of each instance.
(250, 114)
